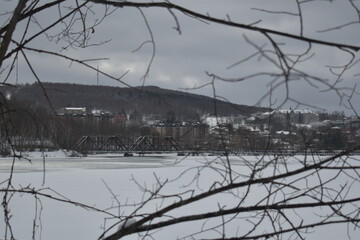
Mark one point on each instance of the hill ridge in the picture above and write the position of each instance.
(143, 100)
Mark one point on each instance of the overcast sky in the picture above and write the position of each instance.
(182, 60)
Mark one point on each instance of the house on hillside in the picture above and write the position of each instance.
(290, 116)
(72, 111)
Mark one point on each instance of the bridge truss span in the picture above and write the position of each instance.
(141, 144)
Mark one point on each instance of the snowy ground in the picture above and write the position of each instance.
(88, 180)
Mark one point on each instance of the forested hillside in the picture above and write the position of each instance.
(143, 100)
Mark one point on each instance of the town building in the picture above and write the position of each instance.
(187, 132)
(71, 111)
(290, 116)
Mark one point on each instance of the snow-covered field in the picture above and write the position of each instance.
(101, 181)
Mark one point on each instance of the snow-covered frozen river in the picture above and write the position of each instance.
(101, 181)
(84, 180)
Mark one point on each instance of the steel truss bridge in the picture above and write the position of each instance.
(156, 144)
(143, 144)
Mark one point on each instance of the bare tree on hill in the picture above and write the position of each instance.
(325, 186)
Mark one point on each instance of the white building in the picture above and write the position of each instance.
(75, 110)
